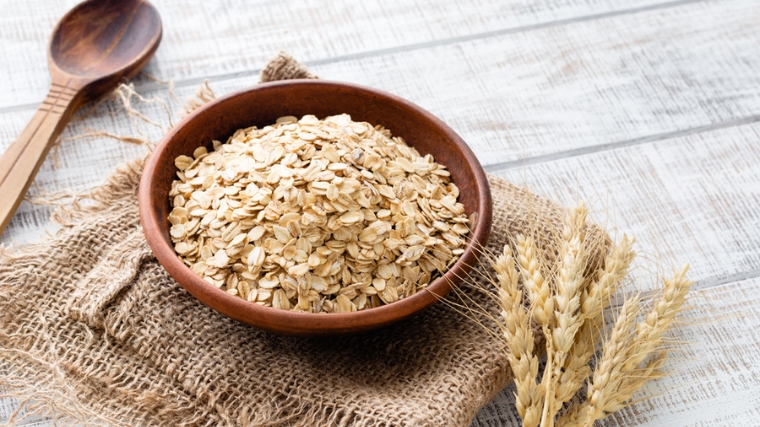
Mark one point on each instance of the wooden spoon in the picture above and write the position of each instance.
(95, 47)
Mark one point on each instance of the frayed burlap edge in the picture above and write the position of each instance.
(284, 67)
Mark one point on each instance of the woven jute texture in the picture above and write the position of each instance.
(93, 329)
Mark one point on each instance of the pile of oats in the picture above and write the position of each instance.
(316, 215)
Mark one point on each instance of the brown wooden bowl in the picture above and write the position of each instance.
(261, 106)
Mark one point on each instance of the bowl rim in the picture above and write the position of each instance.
(300, 323)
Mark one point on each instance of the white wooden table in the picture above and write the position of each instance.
(648, 109)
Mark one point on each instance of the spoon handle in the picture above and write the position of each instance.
(21, 161)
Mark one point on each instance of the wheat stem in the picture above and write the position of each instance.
(650, 330)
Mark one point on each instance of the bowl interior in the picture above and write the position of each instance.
(261, 106)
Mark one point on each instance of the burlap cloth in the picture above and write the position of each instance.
(92, 328)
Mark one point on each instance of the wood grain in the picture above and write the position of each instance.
(715, 374)
(691, 200)
(207, 39)
(75, 165)
(580, 85)
(585, 84)
(21, 161)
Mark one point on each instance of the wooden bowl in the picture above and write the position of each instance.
(261, 106)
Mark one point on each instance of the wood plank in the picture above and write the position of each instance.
(690, 200)
(715, 378)
(578, 86)
(205, 39)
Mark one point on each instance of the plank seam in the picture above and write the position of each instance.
(561, 155)
(699, 285)
(714, 282)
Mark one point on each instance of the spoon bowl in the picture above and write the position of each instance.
(103, 43)
(95, 47)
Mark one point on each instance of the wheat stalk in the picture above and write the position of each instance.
(566, 320)
(611, 393)
(650, 330)
(569, 307)
(619, 373)
(541, 307)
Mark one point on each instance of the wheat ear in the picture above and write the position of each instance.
(617, 376)
(650, 330)
(538, 289)
(567, 319)
(519, 337)
(594, 300)
(607, 373)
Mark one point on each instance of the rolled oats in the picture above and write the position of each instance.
(316, 215)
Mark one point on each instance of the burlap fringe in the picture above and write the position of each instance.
(284, 67)
(203, 95)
